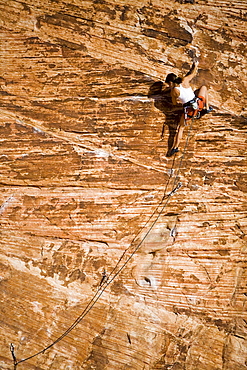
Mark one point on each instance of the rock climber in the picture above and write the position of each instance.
(182, 93)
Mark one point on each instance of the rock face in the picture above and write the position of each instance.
(92, 210)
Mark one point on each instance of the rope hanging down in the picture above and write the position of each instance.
(117, 270)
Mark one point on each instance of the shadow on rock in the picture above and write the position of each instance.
(163, 102)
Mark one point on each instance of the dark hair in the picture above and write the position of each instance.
(178, 80)
(171, 77)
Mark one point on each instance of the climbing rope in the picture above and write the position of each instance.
(116, 271)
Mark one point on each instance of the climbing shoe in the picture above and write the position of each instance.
(209, 110)
(173, 151)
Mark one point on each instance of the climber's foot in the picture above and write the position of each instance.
(173, 151)
(209, 109)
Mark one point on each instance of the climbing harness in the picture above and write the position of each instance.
(191, 109)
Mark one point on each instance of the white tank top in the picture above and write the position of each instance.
(186, 94)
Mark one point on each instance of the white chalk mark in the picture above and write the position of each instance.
(6, 204)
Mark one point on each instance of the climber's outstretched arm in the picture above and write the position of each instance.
(191, 73)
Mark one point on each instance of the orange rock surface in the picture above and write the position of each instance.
(91, 206)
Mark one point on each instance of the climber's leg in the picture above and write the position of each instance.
(204, 93)
(178, 136)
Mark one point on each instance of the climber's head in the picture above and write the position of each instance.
(172, 79)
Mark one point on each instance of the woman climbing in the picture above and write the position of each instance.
(182, 93)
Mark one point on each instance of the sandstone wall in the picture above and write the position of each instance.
(85, 128)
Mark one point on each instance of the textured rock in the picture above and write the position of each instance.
(85, 127)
